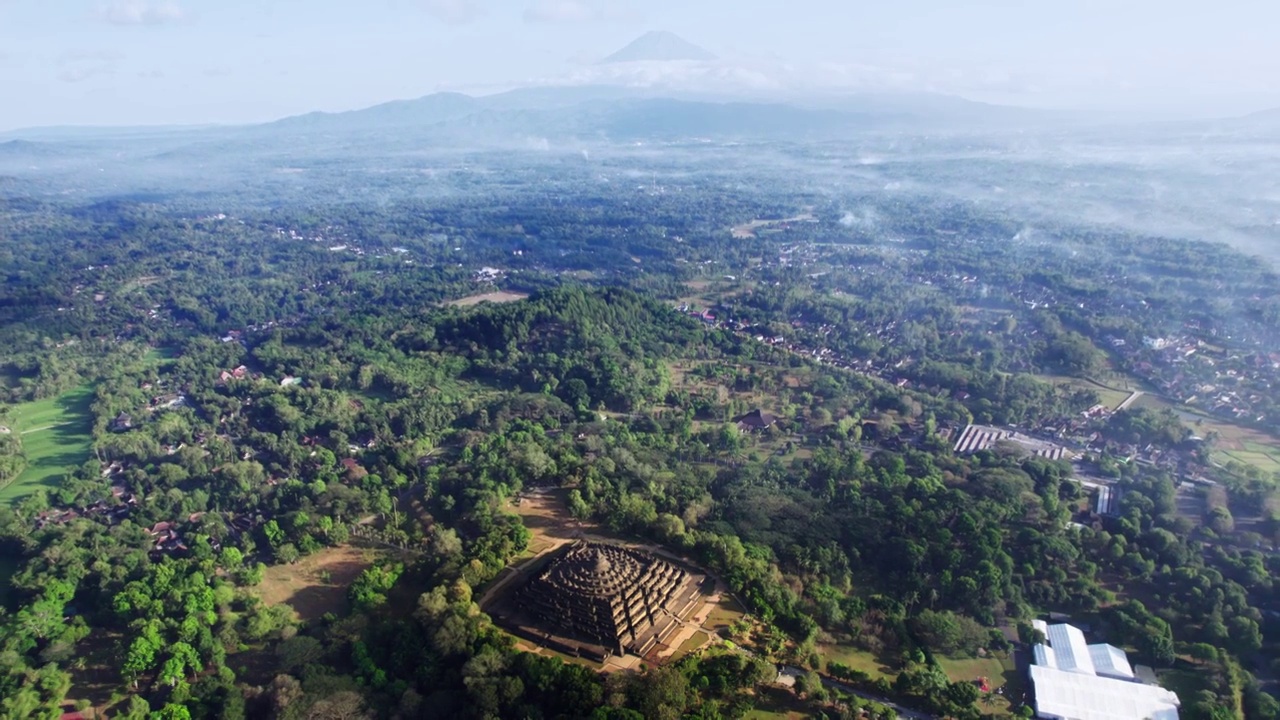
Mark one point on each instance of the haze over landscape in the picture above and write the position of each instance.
(145, 62)
(620, 360)
(861, 73)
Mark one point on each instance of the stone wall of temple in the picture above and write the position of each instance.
(617, 597)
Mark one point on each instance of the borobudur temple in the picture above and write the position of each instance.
(594, 600)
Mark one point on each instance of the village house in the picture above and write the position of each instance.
(755, 421)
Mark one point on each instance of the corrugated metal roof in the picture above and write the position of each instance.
(1070, 649)
(1077, 681)
(1111, 661)
(1078, 696)
(1044, 656)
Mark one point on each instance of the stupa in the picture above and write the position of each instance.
(595, 600)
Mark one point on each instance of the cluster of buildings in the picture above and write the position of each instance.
(1235, 385)
(239, 373)
(167, 537)
(1191, 366)
(111, 512)
(975, 438)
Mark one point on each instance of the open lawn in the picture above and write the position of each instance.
(855, 658)
(161, 356)
(694, 642)
(55, 435)
(1108, 395)
(1267, 462)
(723, 613)
(305, 587)
(967, 669)
(493, 297)
(999, 674)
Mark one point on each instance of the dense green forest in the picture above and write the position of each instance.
(273, 387)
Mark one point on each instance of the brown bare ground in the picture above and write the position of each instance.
(100, 675)
(302, 587)
(545, 514)
(493, 297)
(748, 229)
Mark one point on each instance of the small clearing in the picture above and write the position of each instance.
(500, 296)
(748, 229)
(857, 659)
(1112, 397)
(96, 679)
(140, 282)
(999, 674)
(316, 584)
(721, 612)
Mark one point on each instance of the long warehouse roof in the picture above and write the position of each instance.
(1077, 681)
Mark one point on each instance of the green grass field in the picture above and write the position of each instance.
(999, 673)
(1266, 462)
(1108, 395)
(55, 435)
(856, 659)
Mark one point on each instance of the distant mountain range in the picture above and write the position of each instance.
(659, 46)
(618, 114)
(658, 87)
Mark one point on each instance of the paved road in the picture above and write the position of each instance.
(902, 711)
(847, 689)
(1129, 400)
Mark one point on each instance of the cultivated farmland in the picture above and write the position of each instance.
(55, 435)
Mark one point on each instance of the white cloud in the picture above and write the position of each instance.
(576, 11)
(141, 12)
(454, 12)
(80, 66)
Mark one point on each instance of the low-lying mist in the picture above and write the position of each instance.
(1160, 181)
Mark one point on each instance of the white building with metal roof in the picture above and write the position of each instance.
(1077, 681)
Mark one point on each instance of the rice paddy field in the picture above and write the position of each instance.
(1235, 442)
(56, 434)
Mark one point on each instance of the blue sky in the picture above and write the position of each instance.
(227, 61)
